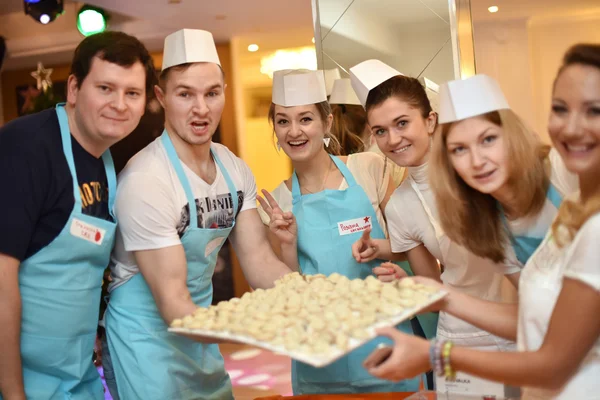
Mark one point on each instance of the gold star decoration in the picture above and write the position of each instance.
(42, 75)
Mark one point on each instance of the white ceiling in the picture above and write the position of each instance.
(515, 9)
(150, 20)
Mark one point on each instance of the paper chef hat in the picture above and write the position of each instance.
(298, 87)
(432, 90)
(343, 93)
(330, 76)
(189, 46)
(368, 75)
(470, 97)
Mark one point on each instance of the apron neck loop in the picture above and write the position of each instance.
(296, 194)
(189, 194)
(176, 163)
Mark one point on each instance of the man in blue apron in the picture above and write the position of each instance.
(57, 228)
(178, 200)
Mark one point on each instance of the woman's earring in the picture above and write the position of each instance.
(326, 141)
(278, 147)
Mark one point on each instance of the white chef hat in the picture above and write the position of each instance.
(343, 93)
(466, 98)
(189, 46)
(298, 87)
(330, 76)
(368, 75)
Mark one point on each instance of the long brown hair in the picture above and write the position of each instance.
(324, 110)
(349, 122)
(572, 215)
(485, 235)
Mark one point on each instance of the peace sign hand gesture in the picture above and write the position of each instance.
(283, 224)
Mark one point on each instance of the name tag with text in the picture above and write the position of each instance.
(87, 231)
(354, 225)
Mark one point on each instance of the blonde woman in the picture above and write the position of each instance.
(555, 322)
(490, 165)
(316, 215)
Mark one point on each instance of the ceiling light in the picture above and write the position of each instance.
(91, 20)
(493, 9)
(43, 11)
(302, 58)
(253, 47)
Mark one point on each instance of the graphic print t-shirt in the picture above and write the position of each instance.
(37, 186)
(153, 211)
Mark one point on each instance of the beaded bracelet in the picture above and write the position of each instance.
(449, 373)
(435, 356)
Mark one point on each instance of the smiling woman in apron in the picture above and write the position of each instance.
(555, 322)
(402, 121)
(333, 199)
(351, 129)
(488, 160)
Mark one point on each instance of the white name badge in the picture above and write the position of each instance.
(87, 231)
(354, 225)
(470, 385)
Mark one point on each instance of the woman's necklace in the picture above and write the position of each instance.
(324, 180)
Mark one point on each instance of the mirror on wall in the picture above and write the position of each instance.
(413, 36)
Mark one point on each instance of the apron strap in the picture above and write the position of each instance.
(230, 184)
(344, 170)
(295, 187)
(554, 196)
(439, 232)
(111, 178)
(176, 163)
(109, 166)
(65, 135)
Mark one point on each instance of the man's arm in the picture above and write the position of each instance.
(11, 376)
(165, 271)
(258, 261)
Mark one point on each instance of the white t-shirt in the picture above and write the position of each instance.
(369, 172)
(153, 212)
(566, 183)
(539, 288)
(409, 226)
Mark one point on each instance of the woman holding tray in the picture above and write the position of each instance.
(402, 121)
(327, 203)
(555, 322)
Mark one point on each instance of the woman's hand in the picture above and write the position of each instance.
(365, 249)
(409, 357)
(283, 224)
(388, 272)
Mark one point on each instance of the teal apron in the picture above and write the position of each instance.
(150, 362)
(60, 293)
(525, 246)
(319, 244)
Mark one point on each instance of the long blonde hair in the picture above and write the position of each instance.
(572, 215)
(462, 209)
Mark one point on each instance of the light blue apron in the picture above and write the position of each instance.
(150, 362)
(60, 292)
(525, 246)
(319, 244)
